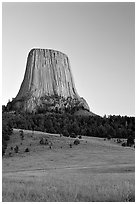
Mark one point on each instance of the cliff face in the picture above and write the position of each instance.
(48, 83)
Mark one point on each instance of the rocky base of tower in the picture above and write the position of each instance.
(50, 104)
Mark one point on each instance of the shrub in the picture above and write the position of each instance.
(41, 141)
(44, 141)
(27, 150)
(130, 141)
(109, 137)
(76, 142)
(124, 144)
(70, 145)
(80, 137)
(73, 135)
(16, 149)
(4, 146)
(21, 134)
(10, 154)
(65, 133)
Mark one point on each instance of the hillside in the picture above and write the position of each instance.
(94, 163)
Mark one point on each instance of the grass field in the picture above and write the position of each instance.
(94, 170)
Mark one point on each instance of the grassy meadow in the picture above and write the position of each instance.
(94, 170)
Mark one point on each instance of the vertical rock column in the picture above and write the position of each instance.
(48, 73)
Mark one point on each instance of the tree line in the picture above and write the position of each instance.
(66, 124)
(6, 132)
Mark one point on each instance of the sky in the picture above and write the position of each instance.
(98, 38)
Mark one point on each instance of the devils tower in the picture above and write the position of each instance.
(48, 84)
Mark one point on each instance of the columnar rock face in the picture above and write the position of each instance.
(48, 83)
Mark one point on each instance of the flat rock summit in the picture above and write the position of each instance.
(48, 84)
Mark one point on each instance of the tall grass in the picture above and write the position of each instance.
(60, 190)
(109, 176)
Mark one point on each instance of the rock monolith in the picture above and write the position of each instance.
(48, 84)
